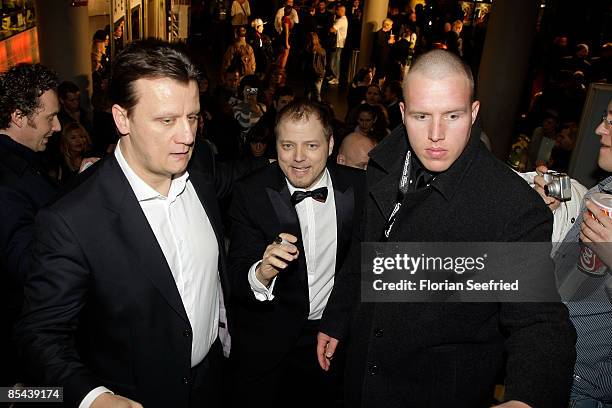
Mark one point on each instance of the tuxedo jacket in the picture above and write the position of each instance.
(261, 209)
(102, 307)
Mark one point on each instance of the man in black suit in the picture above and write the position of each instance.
(434, 181)
(292, 224)
(125, 293)
(28, 118)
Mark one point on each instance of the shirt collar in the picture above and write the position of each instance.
(144, 191)
(385, 154)
(323, 182)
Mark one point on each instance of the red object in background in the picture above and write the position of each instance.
(22, 47)
(79, 3)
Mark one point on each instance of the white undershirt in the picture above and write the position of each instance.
(319, 232)
(186, 237)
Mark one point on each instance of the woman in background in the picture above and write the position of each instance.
(74, 145)
(314, 67)
(285, 37)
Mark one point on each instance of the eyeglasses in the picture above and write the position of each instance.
(607, 122)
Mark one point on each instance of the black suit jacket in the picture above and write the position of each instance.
(429, 355)
(24, 189)
(102, 307)
(261, 209)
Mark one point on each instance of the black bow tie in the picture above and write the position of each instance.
(319, 194)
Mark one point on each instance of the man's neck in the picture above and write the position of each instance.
(158, 183)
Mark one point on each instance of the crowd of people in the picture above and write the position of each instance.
(550, 126)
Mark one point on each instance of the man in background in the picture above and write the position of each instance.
(28, 118)
(354, 150)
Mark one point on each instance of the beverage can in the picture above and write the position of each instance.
(589, 262)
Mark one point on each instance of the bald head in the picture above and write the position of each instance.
(354, 151)
(440, 64)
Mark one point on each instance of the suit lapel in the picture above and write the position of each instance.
(384, 193)
(206, 194)
(344, 196)
(385, 170)
(138, 237)
(207, 197)
(288, 221)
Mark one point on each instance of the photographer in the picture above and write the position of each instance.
(589, 305)
(564, 212)
(249, 111)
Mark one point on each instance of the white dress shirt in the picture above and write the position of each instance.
(188, 242)
(319, 234)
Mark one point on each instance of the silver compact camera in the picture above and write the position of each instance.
(250, 91)
(558, 185)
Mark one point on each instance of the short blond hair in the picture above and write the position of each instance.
(440, 63)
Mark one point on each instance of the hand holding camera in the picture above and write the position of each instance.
(277, 257)
(554, 187)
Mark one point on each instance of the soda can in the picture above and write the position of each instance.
(588, 261)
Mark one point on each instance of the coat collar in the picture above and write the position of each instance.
(18, 157)
(390, 154)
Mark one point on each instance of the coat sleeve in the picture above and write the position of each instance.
(252, 62)
(55, 293)
(16, 233)
(540, 341)
(247, 244)
(227, 59)
(344, 297)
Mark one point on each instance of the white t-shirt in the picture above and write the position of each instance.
(341, 27)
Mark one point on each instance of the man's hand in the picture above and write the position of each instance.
(276, 258)
(326, 347)
(513, 404)
(539, 182)
(108, 400)
(597, 233)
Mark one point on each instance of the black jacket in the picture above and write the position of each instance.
(102, 306)
(261, 209)
(450, 354)
(24, 189)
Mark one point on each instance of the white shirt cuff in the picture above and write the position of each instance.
(92, 395)
(259, 290)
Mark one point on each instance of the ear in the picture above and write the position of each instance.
(331, 145)
(121, 119)
(475, 109)
(18, 119)
(340, 159)
(402, 110)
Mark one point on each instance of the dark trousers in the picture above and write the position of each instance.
(297, 381)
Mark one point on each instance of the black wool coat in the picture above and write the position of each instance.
(422, 355)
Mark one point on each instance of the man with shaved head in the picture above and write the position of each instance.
(354, 150)
(432, 180)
